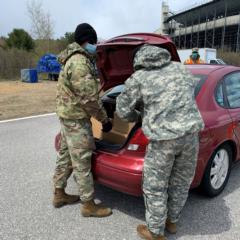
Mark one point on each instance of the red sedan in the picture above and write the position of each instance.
(118, 160)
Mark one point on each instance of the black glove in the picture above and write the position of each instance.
(107, 127)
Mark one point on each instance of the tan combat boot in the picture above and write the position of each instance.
(144, 233)
(91, 209)
(61, 198)
(171, 227)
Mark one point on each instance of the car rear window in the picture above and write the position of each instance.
(114, 92)
(202, 79)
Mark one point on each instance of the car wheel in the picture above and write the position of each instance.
(217, 172)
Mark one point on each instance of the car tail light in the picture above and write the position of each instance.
(138, 142)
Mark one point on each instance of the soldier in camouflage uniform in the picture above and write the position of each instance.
(171, 121)
(78, 101)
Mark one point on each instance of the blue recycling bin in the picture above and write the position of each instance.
(29, 75)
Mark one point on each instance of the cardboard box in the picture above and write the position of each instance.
(115, 137)
(118, 134)
(96, 128)
(122, 126)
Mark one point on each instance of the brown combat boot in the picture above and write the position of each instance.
(91, 209)
(171, 227)
(61, 198)
(144, 233)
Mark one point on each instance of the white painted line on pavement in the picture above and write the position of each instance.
(30, 117)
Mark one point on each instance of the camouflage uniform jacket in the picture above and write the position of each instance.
(166, 90)
(77, 90)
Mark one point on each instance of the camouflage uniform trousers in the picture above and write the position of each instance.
(75, 154)
(169, 169)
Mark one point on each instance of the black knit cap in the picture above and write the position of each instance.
(85, 33)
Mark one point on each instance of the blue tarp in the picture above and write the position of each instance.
(48, 63)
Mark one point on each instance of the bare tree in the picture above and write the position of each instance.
(42, 24)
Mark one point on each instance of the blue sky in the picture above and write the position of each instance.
(109, 18)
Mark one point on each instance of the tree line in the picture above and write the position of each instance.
(22, 49)
(22, 40)
(42, 28)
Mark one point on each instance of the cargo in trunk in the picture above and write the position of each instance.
(119, 133)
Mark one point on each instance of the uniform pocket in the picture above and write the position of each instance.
(87, 142)
(78, 134)
(69, 123)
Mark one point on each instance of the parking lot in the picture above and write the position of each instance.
(27, 160)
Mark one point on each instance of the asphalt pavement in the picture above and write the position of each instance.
(27, 160)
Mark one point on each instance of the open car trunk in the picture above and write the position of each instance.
(121, 132)
(115, 65)
(115, 56)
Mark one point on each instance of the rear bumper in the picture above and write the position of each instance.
(120, 173)
(125, 182)
(121, 181)
(124, 172)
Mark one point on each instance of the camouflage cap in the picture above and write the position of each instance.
(150, 57)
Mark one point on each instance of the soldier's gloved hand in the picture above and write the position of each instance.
(107, 127)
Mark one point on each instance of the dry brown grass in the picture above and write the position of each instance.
(13, 60)
(231, 58)
(18, 99)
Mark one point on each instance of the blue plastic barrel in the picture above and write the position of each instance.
(29, 75)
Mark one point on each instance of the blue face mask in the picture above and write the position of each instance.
(194, 56)
(91, 48)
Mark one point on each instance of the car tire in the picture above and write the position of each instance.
(217, 171)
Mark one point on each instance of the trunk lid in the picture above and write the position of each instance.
(115, 56)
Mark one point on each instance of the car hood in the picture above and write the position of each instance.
(115, 56)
